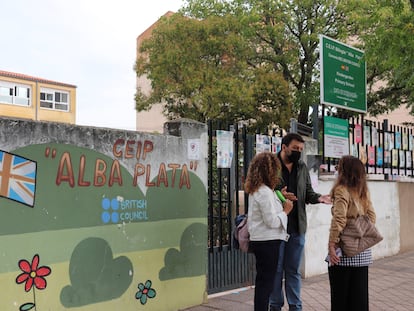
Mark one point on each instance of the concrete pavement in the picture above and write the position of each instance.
(391, 287)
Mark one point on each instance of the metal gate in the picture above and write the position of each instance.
(228, 268)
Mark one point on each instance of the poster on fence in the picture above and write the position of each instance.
(405, 141)
(402, 158)
(367, 135)
(388, 141)
(380, 161)
(262, 143)
(363, 155)
(371, 155)
(224, 148)
(408, 157)
(276, 144)
(358, 133)
(387, 157)
(394, 157)
(336, 139)
(397, 140)
(354, 150)
(374, 136)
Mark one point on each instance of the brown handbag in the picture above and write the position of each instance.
(358, 235)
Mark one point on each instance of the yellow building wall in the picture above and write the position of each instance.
(34, 111)
(56, 115)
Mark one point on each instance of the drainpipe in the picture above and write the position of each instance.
(35, 101)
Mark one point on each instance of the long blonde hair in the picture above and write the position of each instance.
(351, 174)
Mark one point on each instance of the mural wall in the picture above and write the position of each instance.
(100, 219)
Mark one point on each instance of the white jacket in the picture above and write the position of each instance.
(266, 218)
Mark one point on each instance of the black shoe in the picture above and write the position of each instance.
(274, 308)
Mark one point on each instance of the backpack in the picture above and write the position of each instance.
(241, 234)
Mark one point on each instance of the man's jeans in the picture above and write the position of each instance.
(290, 257)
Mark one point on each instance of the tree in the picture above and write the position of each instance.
(282, 37)
(385, 30)
(286, 37)
(203, 69)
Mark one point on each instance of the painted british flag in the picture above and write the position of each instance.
(17, 178)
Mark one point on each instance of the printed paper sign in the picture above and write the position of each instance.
(336, 137)
(193, 149)
(276, 144)
(262, 143)
(367, 135)
(371, 155)
(358, 133)
(224, 148)
(380, 161)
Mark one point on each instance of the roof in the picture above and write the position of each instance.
(31, 78)
(147, 32)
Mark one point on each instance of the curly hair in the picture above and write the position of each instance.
(351, 174)
(265, 168)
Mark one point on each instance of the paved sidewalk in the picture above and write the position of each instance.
(391, 287)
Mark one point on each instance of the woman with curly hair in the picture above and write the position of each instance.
(348, 276)
(267, 222)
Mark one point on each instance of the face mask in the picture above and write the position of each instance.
(294, 156)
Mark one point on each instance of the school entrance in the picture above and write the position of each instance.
(228, 268)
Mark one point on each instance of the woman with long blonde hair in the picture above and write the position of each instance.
(348, 276)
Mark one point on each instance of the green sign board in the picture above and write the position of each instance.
(343, 75)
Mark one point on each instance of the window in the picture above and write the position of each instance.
(22, 96)
(14, 94)
(53, 99)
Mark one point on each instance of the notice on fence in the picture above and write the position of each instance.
(262, 143)
(276, 144)
(224, 148)
(336, 137)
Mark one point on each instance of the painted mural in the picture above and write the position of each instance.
(97, 219)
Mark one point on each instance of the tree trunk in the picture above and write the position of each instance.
(303, 115)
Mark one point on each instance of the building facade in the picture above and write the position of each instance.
(27, 97)
(152, 120)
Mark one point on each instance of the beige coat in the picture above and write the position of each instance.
(345, 207)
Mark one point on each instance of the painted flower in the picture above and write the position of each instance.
(32, 274)
(145, 292)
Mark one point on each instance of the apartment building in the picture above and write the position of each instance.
(27, 97)
(152, 120)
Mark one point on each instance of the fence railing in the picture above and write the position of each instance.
(228, 268)
(383, 148)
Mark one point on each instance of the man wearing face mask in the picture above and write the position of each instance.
(297, 187)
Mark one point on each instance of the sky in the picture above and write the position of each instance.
(87, 43)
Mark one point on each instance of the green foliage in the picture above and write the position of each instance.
(285, 35)
(258, 60)
(203, 69)
(385, 30)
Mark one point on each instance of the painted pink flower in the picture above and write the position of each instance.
(32, 274)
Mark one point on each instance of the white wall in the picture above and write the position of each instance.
(384, 195)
